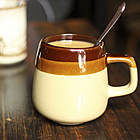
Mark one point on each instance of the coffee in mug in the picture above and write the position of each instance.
(71, 82)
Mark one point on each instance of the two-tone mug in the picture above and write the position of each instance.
(71, 81)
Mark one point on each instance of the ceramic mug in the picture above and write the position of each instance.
(71, 82)
(13, 32)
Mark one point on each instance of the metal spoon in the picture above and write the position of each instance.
(111, 23)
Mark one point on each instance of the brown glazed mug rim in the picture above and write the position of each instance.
(56, 53)
(70, 61)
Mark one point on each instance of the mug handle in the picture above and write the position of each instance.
(131, 86)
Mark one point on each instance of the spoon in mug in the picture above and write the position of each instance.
(112, 22)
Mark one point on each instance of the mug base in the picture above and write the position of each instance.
(70, 123)
(9, 60)
(76, 122)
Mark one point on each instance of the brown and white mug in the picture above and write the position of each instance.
(71, 81)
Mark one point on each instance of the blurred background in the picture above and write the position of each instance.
(124, 36)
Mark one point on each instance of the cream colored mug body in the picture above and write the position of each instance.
(71, 82)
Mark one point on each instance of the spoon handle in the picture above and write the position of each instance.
(112, 22)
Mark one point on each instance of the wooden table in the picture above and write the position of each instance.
(20, 120)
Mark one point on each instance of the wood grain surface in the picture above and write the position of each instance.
(19, 120)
